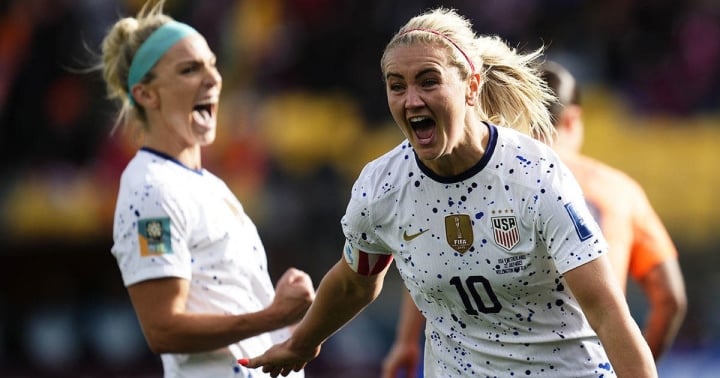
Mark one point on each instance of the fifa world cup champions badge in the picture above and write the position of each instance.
(459, 232)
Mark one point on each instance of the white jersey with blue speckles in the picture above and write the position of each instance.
(171, 221)
(482, 255)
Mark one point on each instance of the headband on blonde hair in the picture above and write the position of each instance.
(154, 47)
(472, 66)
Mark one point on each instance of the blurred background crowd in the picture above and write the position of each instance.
(303, 109)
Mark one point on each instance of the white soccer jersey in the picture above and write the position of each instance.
(171, 221)
(483, 254)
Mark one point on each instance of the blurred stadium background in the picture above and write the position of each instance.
(303, 109)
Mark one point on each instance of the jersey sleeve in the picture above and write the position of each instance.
(150, 234)
(572, 235)
(358, 226)
(652, 244)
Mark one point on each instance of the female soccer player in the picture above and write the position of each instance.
(192, 260)
(487, 227)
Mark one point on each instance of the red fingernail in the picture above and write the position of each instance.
(244, 361)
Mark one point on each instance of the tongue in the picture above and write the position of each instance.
(201, 117)
(424, 132)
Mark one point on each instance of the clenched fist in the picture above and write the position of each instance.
(294, 293)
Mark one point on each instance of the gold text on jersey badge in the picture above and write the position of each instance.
(407, 237)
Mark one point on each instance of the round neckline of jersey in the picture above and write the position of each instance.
(492, 142)
(170, 158)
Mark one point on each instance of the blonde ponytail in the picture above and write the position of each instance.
(512, 93)
(118, 49)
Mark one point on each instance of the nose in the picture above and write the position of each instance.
(213, 76)
(413, 98)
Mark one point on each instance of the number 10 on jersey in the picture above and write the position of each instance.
(472, 283)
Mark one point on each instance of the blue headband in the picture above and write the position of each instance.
(159, 42)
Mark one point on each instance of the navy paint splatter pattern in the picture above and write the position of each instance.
(213, 244)
(483, 255)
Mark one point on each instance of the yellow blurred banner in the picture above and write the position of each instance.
(675, 159)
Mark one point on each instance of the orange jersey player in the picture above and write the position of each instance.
(639, 244)
(638, 240)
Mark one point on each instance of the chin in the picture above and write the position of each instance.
(204, 134)
(206, 139)
(426, 153)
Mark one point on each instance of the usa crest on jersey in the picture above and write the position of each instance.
(505, 231)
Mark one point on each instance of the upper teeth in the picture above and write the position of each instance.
(417, 119)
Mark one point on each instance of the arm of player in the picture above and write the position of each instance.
(168, 328)
(342, 294)
(665, 289)
(603, 303)
(654, 266)
(404, 355)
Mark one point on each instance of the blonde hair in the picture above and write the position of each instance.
(118, 49)
(511, 92)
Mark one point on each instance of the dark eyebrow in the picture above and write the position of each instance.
(426, 71)
(419, 74)
(390, 74)
(213, 58)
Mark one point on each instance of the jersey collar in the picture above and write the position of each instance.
(492, 142)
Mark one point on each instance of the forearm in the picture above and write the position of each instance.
(341, 295)
(661, 328)
(193, 333)
(604, 305)
(410, 322)
(665, 291)
(628, 352)
(404, 354)
(161, 309)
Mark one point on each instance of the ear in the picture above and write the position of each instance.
(570, 117)
(473, 88)
(144, 96)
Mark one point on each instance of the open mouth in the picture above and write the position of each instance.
(202, 113)
(423, 127)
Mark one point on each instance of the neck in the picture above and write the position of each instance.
(464, 155)
(189, 156)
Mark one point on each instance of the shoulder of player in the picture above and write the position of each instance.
(516, 150)
(514, 141)
(158, 178)
(388, 169)
(602, 172)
